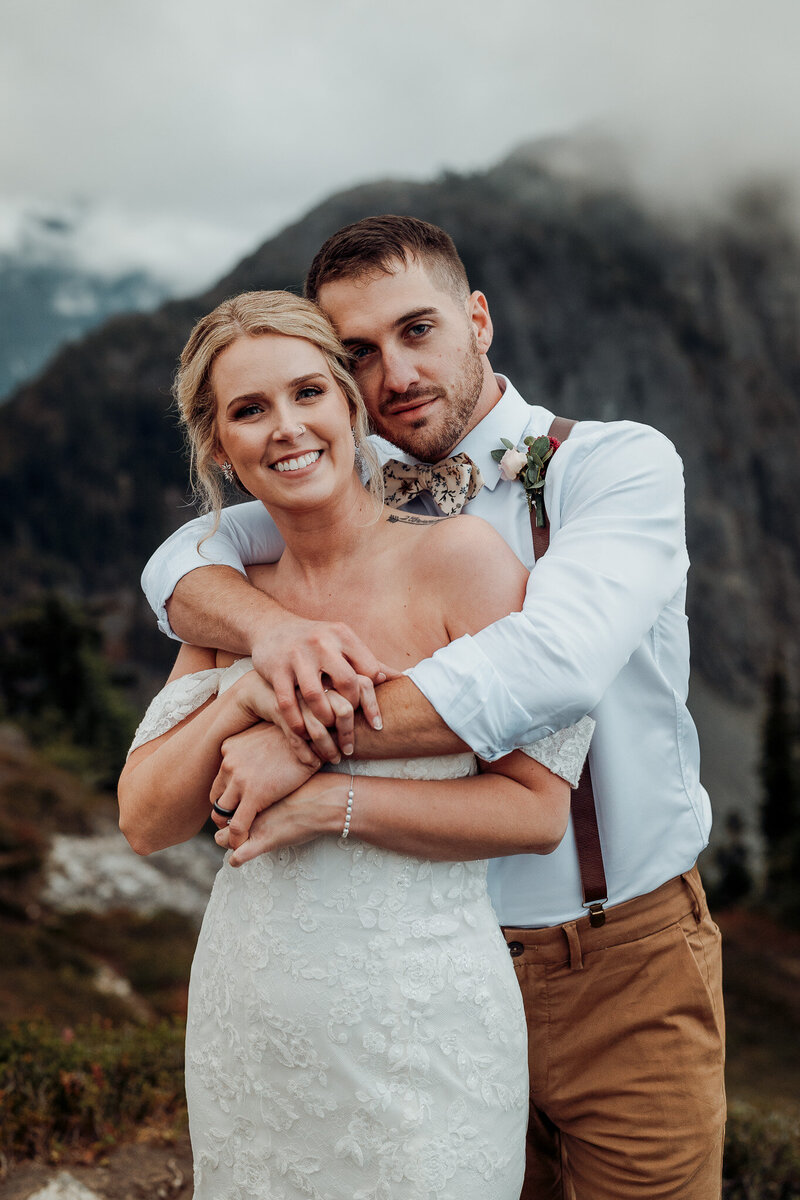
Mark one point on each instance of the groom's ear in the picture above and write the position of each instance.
(481, 321)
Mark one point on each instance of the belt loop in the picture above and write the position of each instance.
(695, 888)
(574, 943)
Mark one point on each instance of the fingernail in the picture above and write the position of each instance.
(380, 677)
(337, 759)
(348, 749)
(377, 723)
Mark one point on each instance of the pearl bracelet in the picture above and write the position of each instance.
(349, 810)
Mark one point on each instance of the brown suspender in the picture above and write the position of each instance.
(584, 813)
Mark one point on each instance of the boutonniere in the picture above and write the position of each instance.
(529, 467)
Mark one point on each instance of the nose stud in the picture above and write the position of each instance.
(301, 429)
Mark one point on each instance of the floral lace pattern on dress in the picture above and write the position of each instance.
(174, 703)
(564, 752)
(355, 1027)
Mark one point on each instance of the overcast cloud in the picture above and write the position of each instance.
(194, 128)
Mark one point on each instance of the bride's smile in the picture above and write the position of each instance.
(283, 423)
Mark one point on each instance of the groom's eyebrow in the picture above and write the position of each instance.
(413, 315)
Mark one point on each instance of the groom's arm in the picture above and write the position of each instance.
(246, 534)
(195, 583)
(616, 561)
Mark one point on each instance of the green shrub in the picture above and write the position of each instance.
(762, 1155)
(89, 1086)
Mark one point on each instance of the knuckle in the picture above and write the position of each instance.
(283, 690)
(286, 702)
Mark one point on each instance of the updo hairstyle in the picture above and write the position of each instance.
(248, 315)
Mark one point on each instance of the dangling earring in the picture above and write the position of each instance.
(359, 463)
(227, 471)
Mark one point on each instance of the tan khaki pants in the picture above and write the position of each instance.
(626, 1051)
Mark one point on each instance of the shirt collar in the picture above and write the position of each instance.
(510, 418)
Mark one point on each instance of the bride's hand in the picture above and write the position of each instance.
(258, 768)
(328, 742)
(317, 807)
(258, 702)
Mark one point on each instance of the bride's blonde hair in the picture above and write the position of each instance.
(248, 315)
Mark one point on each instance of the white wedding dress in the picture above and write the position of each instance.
(355, 1028)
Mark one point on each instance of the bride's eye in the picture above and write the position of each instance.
(309, 393)
(247, 410)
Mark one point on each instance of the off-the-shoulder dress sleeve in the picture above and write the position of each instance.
(174, 703)
(564, 752)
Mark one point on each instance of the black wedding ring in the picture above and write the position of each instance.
(222, 812)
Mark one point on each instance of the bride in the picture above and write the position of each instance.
(355, 1029)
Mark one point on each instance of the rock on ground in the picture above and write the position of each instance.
(101, 872)
(136, 1172)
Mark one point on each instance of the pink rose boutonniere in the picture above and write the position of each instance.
(529, 467)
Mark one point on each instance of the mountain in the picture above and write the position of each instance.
(49, 297)
(601, 309)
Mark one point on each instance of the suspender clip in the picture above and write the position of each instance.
(597, 916)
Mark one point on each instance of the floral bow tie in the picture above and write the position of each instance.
(451, 482)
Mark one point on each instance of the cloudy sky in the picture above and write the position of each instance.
(185, 131)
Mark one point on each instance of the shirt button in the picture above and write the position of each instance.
(515, 949)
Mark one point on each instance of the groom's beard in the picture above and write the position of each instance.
(435, 435)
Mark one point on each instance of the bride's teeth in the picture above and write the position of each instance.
(294, 464)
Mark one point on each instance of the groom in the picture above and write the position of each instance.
(624, 1013)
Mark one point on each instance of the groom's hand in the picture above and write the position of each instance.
(330, 668)
(258, 768)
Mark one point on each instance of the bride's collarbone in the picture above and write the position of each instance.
(398, 624)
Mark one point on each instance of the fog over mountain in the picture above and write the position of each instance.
(52, 291)
(233, 118)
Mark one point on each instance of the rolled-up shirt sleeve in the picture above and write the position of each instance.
(246, 535)
(617, 557)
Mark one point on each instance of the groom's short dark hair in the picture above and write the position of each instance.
(377, 242)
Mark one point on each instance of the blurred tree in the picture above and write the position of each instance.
(780, 809)
(734, 882)
(55, 683)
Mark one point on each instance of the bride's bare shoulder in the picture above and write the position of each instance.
(463, 566)
(441, 533)
(437, 542)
